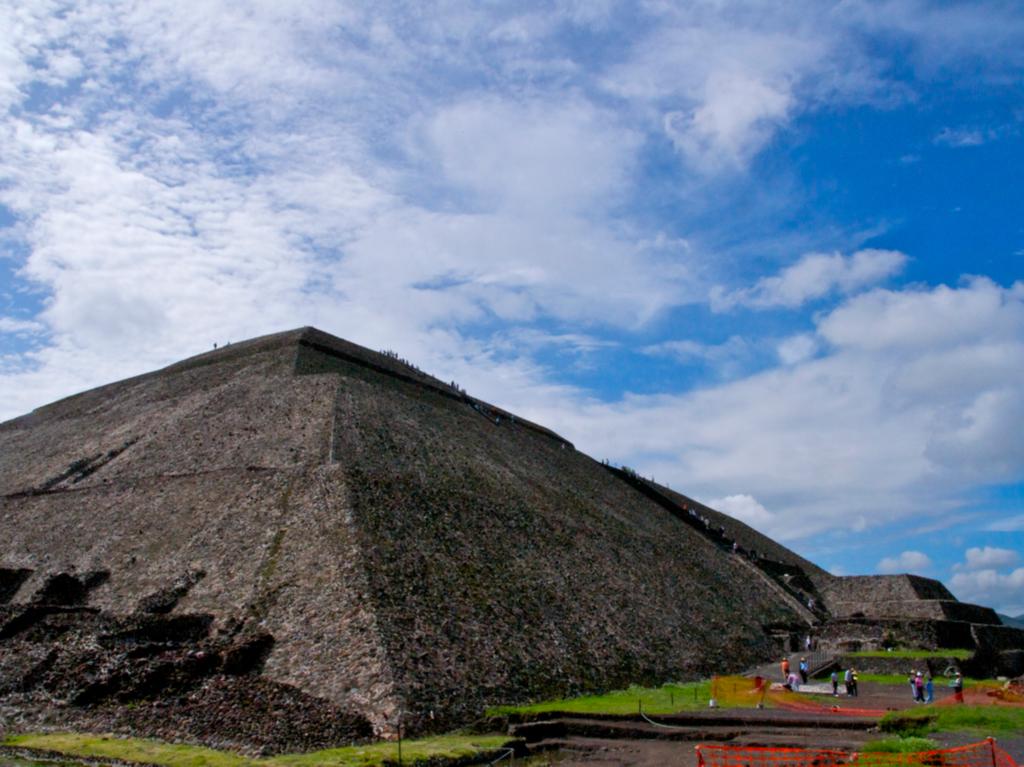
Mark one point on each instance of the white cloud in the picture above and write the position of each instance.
(733, 121)
(722, 82)
(549, 158)
(747, 509)
(813, 276)
(730, 358)
(576, 343)
(454, 184)
(796, 349)
(983, 436)
(987, 558)
(721, 85)
(167, 229)
(914, 562)
(927, 318)
(961, 137)
(1003, 591)
(850, 439)
(14, 325)
(1010, 524)
(943, 38)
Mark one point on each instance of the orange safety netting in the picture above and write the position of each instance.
(986, 696)
(742, 692)
(983, 754)
(739, 691)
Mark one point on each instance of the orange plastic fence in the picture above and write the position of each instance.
(985, 696)
(739, 691)
(743, 692)
(983, 754)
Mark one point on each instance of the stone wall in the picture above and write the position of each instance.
(855, 634)
(863, 589)
(937, 665)
(934, 609)
(1000, 651)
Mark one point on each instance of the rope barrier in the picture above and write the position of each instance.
(659, 724)
(507, 754)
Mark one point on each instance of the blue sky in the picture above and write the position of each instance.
(771, 254)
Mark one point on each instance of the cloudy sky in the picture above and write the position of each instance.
(769, 253)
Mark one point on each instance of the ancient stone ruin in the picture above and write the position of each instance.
(295, 542)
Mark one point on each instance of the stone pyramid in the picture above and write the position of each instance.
(328, 525)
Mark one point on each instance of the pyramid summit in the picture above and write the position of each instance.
(301, 525)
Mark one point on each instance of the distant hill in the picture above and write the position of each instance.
(1007, 620)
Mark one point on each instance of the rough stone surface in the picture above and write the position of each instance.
(934, 609)
(853, 589)
(412, 552)
(160, 676)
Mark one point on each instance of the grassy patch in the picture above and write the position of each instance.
(893, 679)
(901, 745)
(450, 746)
(129, 750)
(911, 654)
(177, 755)
(983, 720)
(940, 681)
(666, 699)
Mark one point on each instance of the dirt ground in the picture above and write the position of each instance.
(654, 752)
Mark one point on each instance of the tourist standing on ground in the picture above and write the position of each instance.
(848, 681)
(929, 688)
(835, 682)
(785, 669)
(913, 686)
(919, 688)
(803, 670)
(958, 688)
(853, 681)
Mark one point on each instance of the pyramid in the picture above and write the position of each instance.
(299, 525)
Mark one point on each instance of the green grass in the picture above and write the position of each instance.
(893, 679)
(129, 750)
(177, 755)
(982, 720)
(900, 745)
(911, 654)
(450, 746)
(666, 699)
(897, 679)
